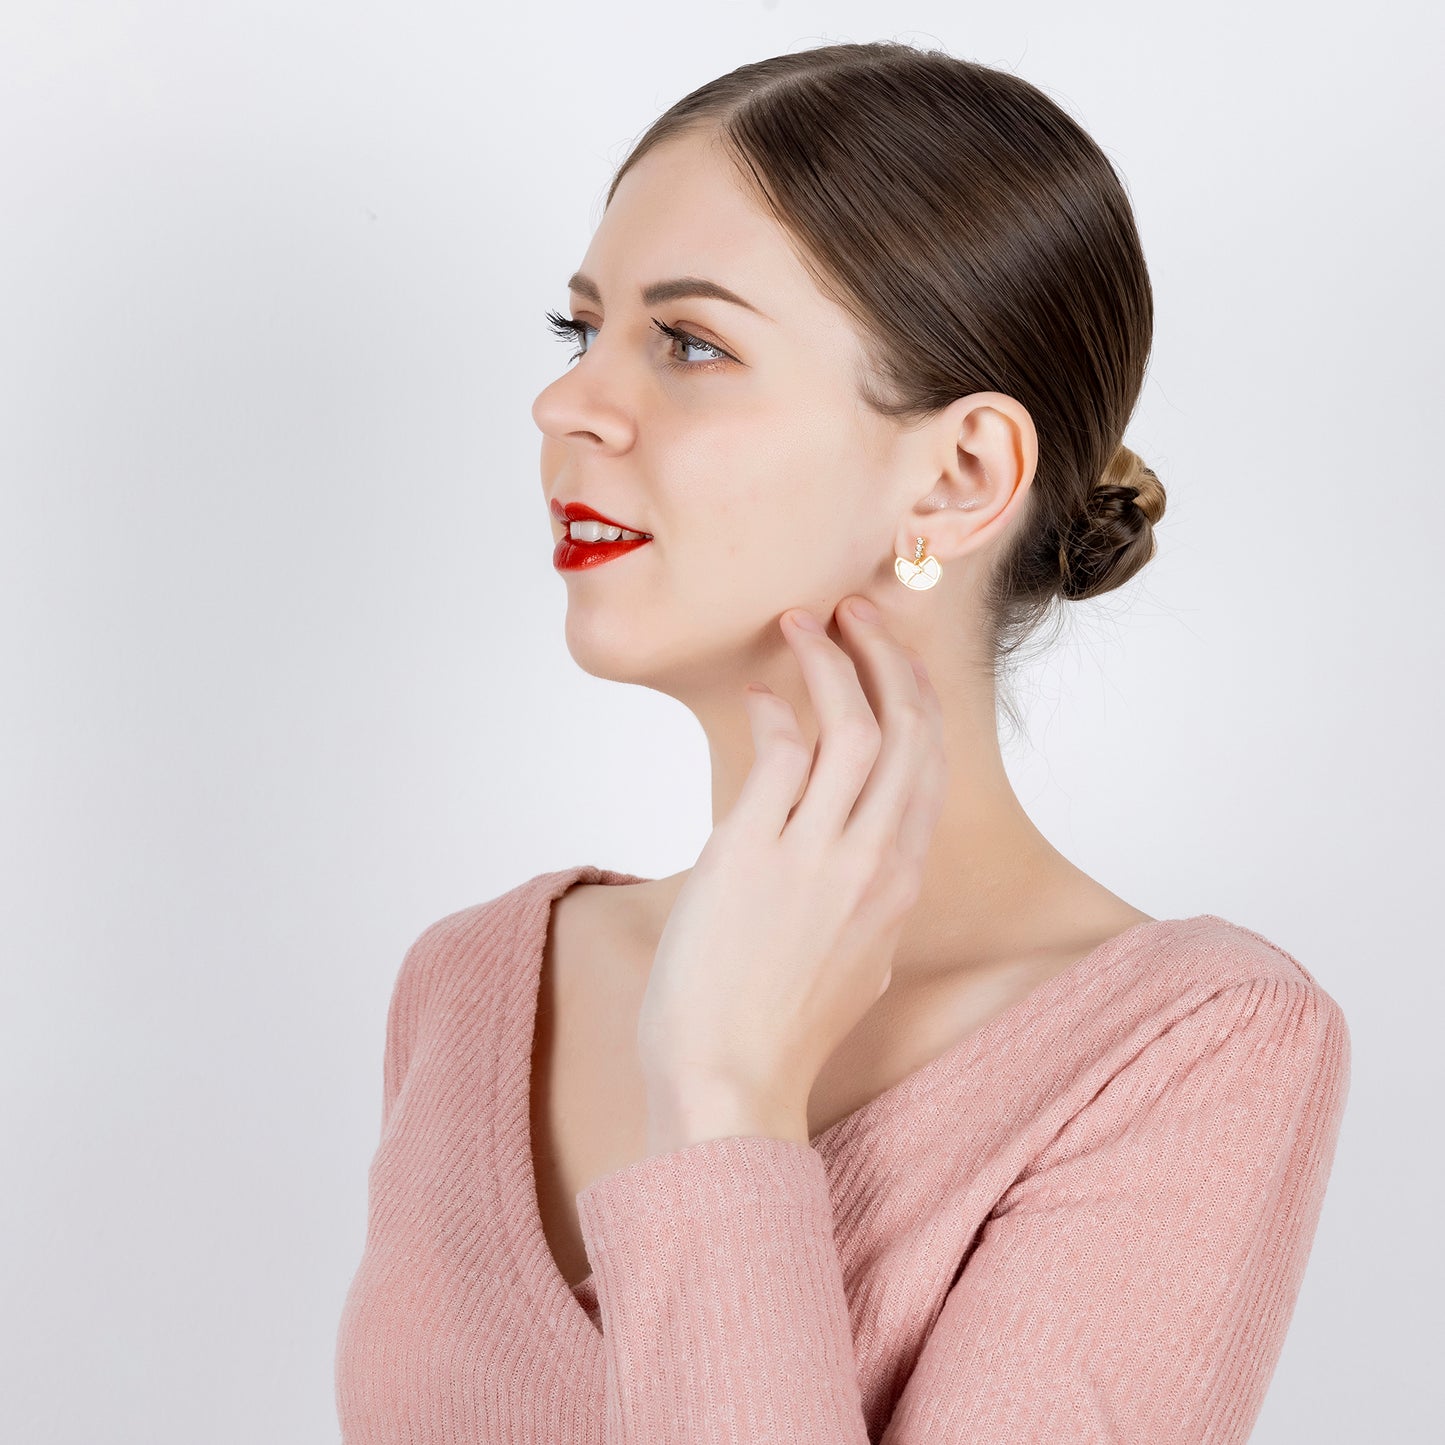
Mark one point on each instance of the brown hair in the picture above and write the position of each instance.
(981, 241)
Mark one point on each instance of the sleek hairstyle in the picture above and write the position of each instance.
(981, 241)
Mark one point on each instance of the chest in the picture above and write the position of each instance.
(588, 1102)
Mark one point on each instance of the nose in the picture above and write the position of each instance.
(577, 408)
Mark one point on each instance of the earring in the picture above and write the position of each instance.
(921, 573)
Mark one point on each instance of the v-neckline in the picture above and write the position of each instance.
(541, 1273)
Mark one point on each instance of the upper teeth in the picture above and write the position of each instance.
(600, 532)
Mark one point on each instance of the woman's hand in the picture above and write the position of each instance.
(783, 936)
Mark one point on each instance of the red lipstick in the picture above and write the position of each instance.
(570, 556)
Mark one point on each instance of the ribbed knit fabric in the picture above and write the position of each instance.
(1086, 1222)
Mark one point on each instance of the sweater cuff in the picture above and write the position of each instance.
(730, 1187)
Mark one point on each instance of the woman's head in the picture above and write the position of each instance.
(956, 317)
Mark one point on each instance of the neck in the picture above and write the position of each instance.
(988, 866)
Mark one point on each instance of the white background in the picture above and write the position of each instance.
(284, 675)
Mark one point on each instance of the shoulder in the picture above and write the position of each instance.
(452, 974)
(465, 944)
(469, 945)
(1195, 997)
(1187, 961)
(1211, 1037)
(1215, 996)
(1247, 943)
(508, 910)
(1270, 986)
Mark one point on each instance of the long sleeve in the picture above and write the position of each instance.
(721, 1297)
(1132, 1286)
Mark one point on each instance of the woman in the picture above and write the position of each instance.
(884, 1121)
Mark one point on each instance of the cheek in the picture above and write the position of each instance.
(780, 543)
(779, 497)
(789, 471)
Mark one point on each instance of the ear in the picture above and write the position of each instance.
(981, 452)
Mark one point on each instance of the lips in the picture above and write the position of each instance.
(581, 512)
(570, 556)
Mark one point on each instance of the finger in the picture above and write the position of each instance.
(904, 768)
(884, 666)
(925, 807)
(927, 693)
(849, 736)
(781, 757)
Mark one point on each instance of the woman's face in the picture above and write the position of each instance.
(744, 450)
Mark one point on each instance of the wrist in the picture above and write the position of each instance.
(680, 1113)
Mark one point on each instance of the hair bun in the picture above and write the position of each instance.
(1114, 535)
(1128, 472)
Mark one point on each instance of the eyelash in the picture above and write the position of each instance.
(569, 329)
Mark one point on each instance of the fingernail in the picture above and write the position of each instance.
(806, 620)
(862, 607)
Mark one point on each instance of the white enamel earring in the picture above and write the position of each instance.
(919, 574)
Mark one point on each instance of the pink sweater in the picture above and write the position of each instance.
(1087, 1221)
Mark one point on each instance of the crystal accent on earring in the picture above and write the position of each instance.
(919, 574)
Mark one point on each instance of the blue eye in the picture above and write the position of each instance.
(686, 339)
(569, 329)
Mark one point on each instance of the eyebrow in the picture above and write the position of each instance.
(681, 288)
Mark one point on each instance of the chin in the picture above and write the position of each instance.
(681, 667)
(602, 649)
